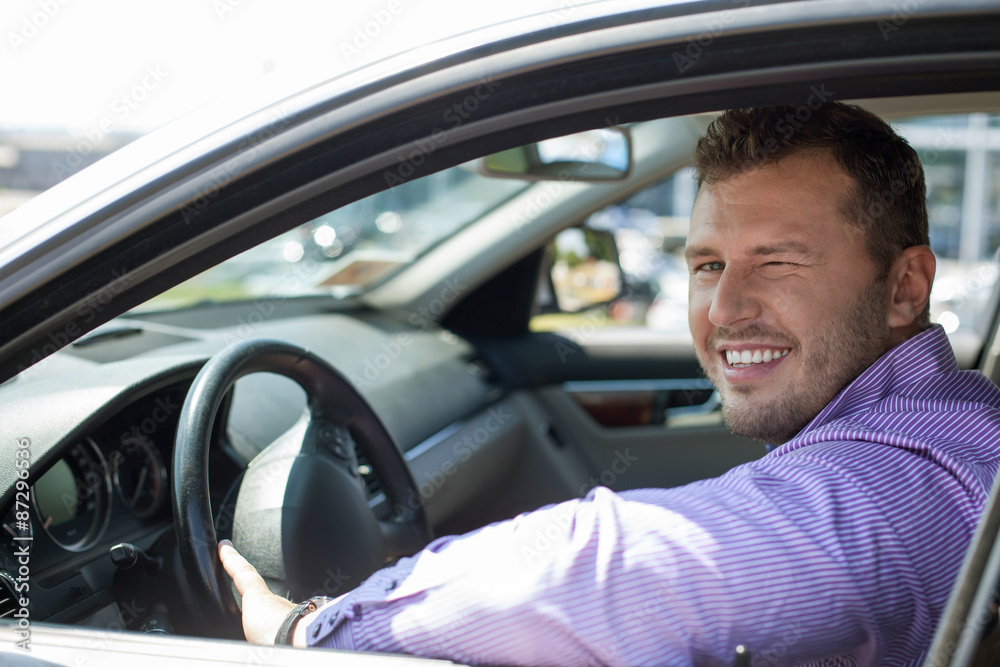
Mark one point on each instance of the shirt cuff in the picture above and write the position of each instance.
(330, 627)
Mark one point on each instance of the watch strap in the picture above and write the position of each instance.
(287, 628)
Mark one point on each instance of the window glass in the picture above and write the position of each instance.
(347, 251)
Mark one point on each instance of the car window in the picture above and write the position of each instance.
(961, 158)
(350, 249)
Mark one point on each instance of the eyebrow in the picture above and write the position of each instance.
(789, 247)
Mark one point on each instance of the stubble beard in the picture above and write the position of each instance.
(854, 345)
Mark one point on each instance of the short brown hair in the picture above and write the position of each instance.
(888, 197)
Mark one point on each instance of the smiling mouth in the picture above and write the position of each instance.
(747, 358)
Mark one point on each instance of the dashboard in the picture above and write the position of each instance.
(95, 425)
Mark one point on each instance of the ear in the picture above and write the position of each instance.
(910, 283)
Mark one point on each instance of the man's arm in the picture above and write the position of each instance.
(788, 556)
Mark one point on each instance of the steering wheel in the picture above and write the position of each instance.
(302, 512)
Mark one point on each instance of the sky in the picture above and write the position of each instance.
(137, 64)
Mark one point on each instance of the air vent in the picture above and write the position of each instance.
(8, 596)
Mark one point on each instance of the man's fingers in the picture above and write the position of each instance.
(243, 574)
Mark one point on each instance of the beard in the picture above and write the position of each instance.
(854, 344)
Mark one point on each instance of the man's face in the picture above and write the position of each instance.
(784, 307)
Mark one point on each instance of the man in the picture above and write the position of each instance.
(810, 279)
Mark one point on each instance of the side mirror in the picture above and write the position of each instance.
(584, 271)
(591, 156)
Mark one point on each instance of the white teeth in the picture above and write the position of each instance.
(749, 357)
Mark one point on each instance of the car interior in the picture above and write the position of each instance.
(505, 384)
(516, 421)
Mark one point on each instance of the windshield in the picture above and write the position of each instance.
(347, 251)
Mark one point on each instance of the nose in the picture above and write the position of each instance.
(734, 301)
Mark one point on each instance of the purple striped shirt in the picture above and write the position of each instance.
(839, 547)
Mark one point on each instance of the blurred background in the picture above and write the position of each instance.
(81, 79)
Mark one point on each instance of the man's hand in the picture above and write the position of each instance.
(263, 611)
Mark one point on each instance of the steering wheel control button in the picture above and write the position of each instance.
(337, 439)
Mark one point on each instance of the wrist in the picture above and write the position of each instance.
(292, 629)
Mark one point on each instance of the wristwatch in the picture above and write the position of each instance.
(284, 635)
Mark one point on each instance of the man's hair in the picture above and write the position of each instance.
(887, 200)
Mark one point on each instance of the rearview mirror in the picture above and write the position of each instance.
(594, 155)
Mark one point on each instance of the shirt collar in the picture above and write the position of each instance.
(928, 353)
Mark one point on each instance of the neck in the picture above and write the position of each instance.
(902, 334)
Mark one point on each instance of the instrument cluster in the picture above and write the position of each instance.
(107, 487)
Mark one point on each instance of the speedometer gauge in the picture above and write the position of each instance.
(139, 475)
(16, 531)
(72, 499)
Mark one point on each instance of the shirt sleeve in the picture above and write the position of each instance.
(789, 556)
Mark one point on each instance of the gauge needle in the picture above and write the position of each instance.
(9, 530)
(138, 487)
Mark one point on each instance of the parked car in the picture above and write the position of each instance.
(347, 242)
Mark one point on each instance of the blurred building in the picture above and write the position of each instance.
(33, 160)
